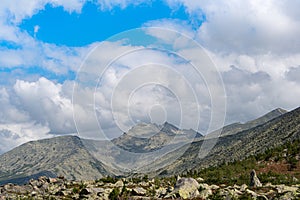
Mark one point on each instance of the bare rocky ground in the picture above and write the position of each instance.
(184, 188)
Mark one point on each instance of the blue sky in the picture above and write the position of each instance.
(92, 24)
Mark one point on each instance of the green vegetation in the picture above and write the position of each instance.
(124, 193)
(114, 195)
(151, 192)
(78, 187)
(238, 172)
(108, 179)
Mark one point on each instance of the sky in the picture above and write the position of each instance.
(84, 67)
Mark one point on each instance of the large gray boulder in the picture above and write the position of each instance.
(186, 188)
(254, 181)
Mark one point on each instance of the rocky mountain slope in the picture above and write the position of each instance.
(137, 148)
(146, 148)
(234, 128)
(65, 156)
(150, 137)
(278, 131)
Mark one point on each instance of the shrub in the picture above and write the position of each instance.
(114, 194)
(108, 179)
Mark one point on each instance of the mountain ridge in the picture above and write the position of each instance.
(242, 144)
(46, 155)
(82, 159)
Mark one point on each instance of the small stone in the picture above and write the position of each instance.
(60, 193)
(214, 187)
(252, 193)
(84, 191)
(161, 192)
(170, 189)
(61, 177)
(199, 179)
(8, 187)
(43, 179)
(205, 193)
(295, 179)
(139, 191)
(119, 184)
(52, 180)
(262, 197)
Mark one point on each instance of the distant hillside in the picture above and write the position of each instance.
(238, 127)
(280, 165)
(233, 147)
(150, 137)
(65, 156)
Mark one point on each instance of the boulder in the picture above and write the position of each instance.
(60, 193)
(186, 188)
(199, 179)
(8, 187)
(204, 194)
(243, 187)
(254, 181)
(44, 179)
(262, 197)
(252, 193)
(119, 184)
(284, 188)
(103, 196)
(228, 193)
(139, 191)
(214, 187)
(160, 192)
(85, 191)
(288, 196)
(35, 183)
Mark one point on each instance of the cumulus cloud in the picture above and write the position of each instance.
(46, 105)
(261, 41)
(254, 45)
(15, 12)
(247, 27)
(121, 98)
(16, 124)
(293, 74)
(34, 110)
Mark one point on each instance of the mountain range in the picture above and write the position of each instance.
(147, 149)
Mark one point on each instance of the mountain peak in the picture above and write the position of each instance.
(279, 110)
(143, 130)
(169, 128)
(268, 116)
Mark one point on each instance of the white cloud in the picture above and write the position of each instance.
(247, 26)
(9, 112)
(46, 105)
(108, 4)
(16, 133)
(128, 88)
(260, 39)
(293, 74)
(16, 124)
(16, 11)
(36, 29)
